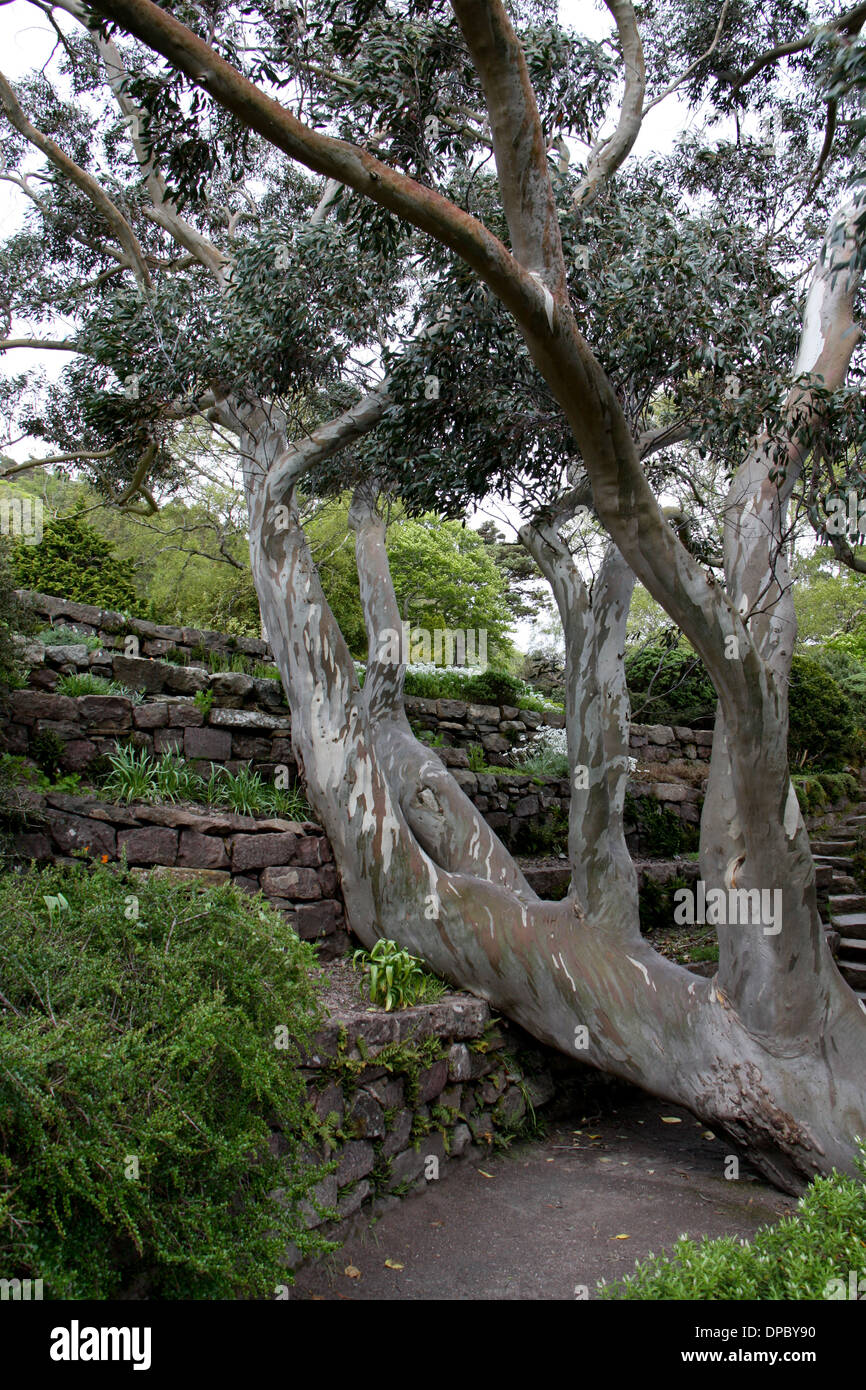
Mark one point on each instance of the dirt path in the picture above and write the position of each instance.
(545, 1217)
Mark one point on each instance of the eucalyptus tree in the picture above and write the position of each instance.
(635, 305)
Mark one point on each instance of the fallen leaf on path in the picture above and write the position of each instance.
(393, 1264)
(622, 1237)
(351, 1272)
(670, 1119)
(708, 1134)
(483, 1174)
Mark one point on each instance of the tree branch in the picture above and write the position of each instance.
(88, 185)
(606, 160)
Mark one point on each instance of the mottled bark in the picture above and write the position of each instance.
(773, 1048)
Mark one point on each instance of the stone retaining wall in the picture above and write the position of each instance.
(457, 723)
(89, 726)
(289, 861)
(402, 1095)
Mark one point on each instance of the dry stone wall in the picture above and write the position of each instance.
(290, 862)
(401, 1096)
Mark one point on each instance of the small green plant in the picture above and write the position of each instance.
(132, 776)
(175, 780)
(83, 683)
(396, 979)
(204, 700)
(62, 636)
(47, 749)
(176, 656)
(264, 672)
(475, 756)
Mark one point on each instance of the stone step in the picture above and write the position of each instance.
(851, 925)
(835, 861)
(823, 848)
(846, 902)
(548, 881)
(853, 972)
(844, 883)
(852, 946)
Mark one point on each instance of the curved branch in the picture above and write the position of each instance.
(54, 344)
(78, 176)
(605, 161)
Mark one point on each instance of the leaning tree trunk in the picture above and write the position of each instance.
(418, 863)
(773, 1049)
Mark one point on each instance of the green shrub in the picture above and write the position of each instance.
(656, 903)
(76, 562)
(494, 687)
(542, 834)
(849, 673)
(47, 749)
(13, 618)
(141, 1083)
(662, 833)
(62, 636)
(822, 1241)
(204, 701)
(668, 685)
(822, 723)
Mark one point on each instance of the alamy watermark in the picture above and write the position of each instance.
(444, 646)
(719, 907)
(22, 517)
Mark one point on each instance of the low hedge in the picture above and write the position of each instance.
(809, 1254)
(142, 1080)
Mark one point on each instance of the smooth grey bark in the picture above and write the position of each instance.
(772, 1050)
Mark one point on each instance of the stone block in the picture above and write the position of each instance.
(510, 1108)
(77, 753)
(231, 683)
(397, 1136)
(72, 833)
(495, 743)
(184, 715)
(451, 709)
(365, 1118)
(186, 680)
(405, 1168)
(201, 851)
(151, 844)
(27, 706)
(314, 920)
(249, 720)
(348, 1205)
(432, 1080)
(138, 673)
(153, 716)
(669, 791)
(106, 714)
(311, 851)
(215, 745)
(262, 851)
(459, 1062)
(298, 884)
(356, 1161)
(461, 1138)
(168, 741)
